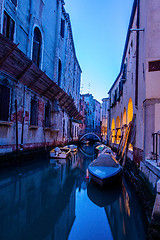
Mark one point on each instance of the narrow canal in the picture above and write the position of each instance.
(46, 200)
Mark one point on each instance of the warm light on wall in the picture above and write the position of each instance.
(113, 130)
(130, 111)
(118, 125)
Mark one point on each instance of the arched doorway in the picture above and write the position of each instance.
(130, 111)
(118, 125)
(113, 130)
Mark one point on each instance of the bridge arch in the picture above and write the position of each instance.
(89, 133)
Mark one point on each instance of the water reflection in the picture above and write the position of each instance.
(48, 199)
(103, 197)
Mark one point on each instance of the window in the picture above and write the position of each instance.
(59, 72)
(63, 128)
(47, 115)
(4, 103)
(37, 42)
(8, 26)
(34, 113)
(62, 27)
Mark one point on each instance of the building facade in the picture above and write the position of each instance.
(104, 118)
(97, 116)
(135, 92)
(39, 75)
(91, 112)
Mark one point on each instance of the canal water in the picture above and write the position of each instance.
(42, 199)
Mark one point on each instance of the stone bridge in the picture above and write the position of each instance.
(87, 132)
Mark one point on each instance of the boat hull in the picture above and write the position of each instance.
(105, 169)
(61, 155)
(106, 180)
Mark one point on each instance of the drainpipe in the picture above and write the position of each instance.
(24, 103)
(30, 27)
(58, 18)
(144, 144)
(137, 54)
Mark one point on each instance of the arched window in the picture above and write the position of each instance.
(37, 43)
(130, 111)
(59, 72)
(113, 130)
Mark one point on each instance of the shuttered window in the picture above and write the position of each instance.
(4, 103)
(34, 112)
(8, 26)
(47, 115)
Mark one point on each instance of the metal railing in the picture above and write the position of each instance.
(155, 145)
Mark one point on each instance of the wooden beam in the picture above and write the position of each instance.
(55, 95)
(62, 97)
(48, 88)
(73, 111)
(24, 71)
(69, 98)
(70, 107)
(8, 54)
(39, 77)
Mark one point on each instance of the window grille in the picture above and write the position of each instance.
(4, 103)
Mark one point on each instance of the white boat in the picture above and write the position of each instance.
(62, 152)
(73, 148)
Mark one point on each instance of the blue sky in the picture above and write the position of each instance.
(99, 30)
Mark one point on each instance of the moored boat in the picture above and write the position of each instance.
(105, 169)
(73, 148)
(108, 150)
(100, 148)
(62, 152)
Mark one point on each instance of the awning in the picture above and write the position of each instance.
(15, 63)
